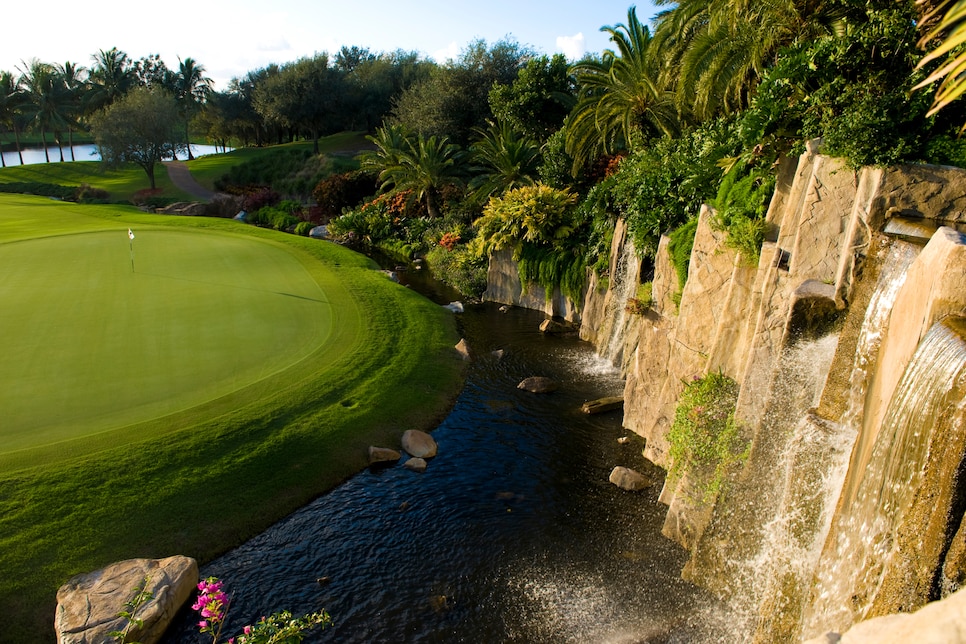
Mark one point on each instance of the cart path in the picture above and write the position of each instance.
(181, 177)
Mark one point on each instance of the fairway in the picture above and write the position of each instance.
(96, 341)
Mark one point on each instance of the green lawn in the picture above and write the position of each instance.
(180, 408)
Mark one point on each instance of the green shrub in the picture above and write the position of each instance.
(460, 268)
(304, 228)
(705, 435)
(538, 215)
(741, 206)
(551, 268)
(679, 247)
(66, 193)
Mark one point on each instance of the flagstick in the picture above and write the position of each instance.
(132, 255)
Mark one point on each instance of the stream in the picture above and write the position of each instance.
(513, 533)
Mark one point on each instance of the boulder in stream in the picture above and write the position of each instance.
(538, 385)
(382, 455)
(418, 444)
(628, 479)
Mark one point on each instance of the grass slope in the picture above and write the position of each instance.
(201, 480)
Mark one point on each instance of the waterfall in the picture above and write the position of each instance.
(890, 537)
(814, 466)
(623, 286)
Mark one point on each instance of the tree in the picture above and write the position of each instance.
(304, 95)
(191, 89)
(950, 32)
(111, 77)
(424, 165)
(504, 159)
(140, 128)
(72, 77)
(454, 99)
(47, 100)
(619, 95)
(539, 98)
(11, 109)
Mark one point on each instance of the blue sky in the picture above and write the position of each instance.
(232, 37)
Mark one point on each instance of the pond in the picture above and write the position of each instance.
(513, 533)
(86, 152)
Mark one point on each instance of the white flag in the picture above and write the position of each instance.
(130, 234)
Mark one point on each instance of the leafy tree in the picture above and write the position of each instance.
(140, 128)
(454, 99)
(152, 72)
(620, 96)
(539, 98)
(304, 95)
(945, 23)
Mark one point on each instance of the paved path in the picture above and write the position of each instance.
(181, 177)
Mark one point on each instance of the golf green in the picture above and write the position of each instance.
(99, 337)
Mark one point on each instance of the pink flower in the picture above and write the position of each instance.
(247, 630)
(202, 624)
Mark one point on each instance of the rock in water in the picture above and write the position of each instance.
(418, 444)
(382, 455)
(627, 479)
(88, 604)
(415, 464)
(538, 385)
(463, 348)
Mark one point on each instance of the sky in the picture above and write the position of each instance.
(232, 38)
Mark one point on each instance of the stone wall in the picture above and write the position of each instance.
(503, 285)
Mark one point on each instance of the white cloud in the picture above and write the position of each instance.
(451, 52)
(573, 47)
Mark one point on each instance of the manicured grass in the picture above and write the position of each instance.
(217, 470)
(121, 184)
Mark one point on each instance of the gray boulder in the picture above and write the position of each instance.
(88, 604)
(418, 444)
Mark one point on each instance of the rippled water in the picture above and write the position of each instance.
(513, 534)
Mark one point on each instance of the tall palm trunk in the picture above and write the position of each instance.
(43, 137)
(16, 138)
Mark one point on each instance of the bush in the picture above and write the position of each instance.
(66, 193)
(705, 434)
(460, 268)
(259, 197)
(304, 228)
(741, 206)
(343, 191)
(680, 245)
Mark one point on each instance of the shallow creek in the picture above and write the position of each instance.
(513, 533)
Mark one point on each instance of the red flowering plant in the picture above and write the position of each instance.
(212, 604)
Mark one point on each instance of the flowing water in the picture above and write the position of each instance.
(624, 286)
(513, 534)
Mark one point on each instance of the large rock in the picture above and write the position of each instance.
(628, 479)
(538, 385)
(463, 349)
(88, 605)
(418, 444)
(942, 622)
(382, 455)
(415, 464)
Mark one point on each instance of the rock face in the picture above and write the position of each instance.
(628, 479)
(88, 604)
(538, 385)
(383, 455)
(503, 285)
(418, 444)
(942, 622)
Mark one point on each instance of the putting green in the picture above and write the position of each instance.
(93, 343)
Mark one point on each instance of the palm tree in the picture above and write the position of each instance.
(716, 51)
(46, 100)
(951, 34)
(11, 109)
(619, 95)
(111, 77)
(423, 165)
(504, 159)
(192, 89)
(71, 75)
